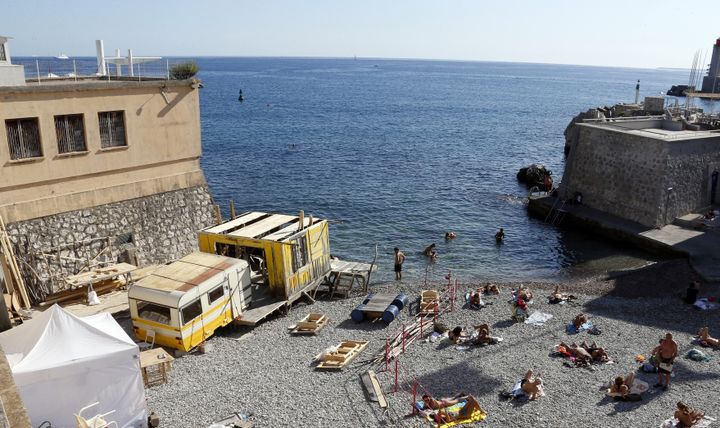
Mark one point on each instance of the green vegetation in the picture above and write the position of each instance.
(184, 70)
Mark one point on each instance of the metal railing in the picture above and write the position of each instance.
(43, 69)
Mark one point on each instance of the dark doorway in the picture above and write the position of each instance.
(713, 186)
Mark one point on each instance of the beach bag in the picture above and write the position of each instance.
(92, 297)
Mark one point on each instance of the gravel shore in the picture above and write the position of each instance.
(267, 373)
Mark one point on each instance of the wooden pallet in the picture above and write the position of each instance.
(311, 324)
(429, 302)
(342, 356)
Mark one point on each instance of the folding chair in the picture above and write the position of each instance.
(97, 421)
(149, 341)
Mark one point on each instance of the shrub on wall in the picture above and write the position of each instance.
(184, 70)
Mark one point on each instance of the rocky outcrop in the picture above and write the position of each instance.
(535, 175)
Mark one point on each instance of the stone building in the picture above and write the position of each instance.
(711, 82)
(649, 170)
(98, 169)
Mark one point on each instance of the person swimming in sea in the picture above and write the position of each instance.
(500, 235)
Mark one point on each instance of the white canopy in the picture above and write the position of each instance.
(62, 363)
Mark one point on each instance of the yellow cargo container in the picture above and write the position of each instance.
(288, 254)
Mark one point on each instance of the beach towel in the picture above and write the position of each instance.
(697, 355)
(454, 412)
(674, 423)
(704, 304)
(571, 329)
(538, 318)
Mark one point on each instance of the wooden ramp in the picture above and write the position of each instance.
(342, 356)
(263, 305)
(311, 324)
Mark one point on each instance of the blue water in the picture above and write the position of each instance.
(395, 153)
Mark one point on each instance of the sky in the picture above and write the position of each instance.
(628, 33)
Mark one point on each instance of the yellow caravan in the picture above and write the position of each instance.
(182, 303)
(288, 254)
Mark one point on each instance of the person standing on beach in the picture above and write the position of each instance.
(666, 353)
(399, 260)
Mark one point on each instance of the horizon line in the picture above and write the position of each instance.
(382, 59)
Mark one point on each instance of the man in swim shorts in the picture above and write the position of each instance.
(666, 353)
(399, 260)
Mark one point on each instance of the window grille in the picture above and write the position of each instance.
(70, 133)
(3, 55)
(23, 138)
(112, 129)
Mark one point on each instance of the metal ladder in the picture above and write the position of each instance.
(556, 214)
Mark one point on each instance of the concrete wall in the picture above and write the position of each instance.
(162, 122)
(628, 175)
(616, 172)
(158, 228)
(12, 75)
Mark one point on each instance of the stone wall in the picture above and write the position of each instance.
(629, 175)
(151, 229)
(618, 173)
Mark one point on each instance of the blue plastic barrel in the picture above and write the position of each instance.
(357, 314)
(400, 301)
(368, 298)
(390, 313)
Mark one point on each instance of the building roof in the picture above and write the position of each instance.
(651, 127)
(261, 226)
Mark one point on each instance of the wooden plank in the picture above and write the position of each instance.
(378, 391)
(287, 231)
(367, 383)
(255, 315)
(263, 226)
(239, 221)
(100, 274)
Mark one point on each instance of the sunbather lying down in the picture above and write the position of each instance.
(532, 385)
(581, 354)
(458, 335)
(558, 297)
(597, 353)
(462, 408)
(704, 336)
(622, 385)
(482, 335)
(686, 415)
(491, 289)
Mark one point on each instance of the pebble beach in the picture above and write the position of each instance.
(266, 373)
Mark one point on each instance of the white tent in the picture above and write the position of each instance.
(62, 363)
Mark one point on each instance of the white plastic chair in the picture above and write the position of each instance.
(97, 421)
(149, 341)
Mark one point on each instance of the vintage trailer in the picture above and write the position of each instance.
(288, 254)
(184, 302)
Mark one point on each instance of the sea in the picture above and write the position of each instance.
(394, 153)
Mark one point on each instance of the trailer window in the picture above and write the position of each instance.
(191, 311)
(153, 312)
(216, 294)
(299, 251)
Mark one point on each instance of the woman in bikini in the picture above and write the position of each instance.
(598, 354)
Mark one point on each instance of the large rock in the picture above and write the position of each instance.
(535, 175)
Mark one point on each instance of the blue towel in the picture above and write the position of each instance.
(571, 329)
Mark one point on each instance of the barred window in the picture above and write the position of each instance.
(299, 253)
(112, 129)
(70, 133)
(23, 138)
(3, 56)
